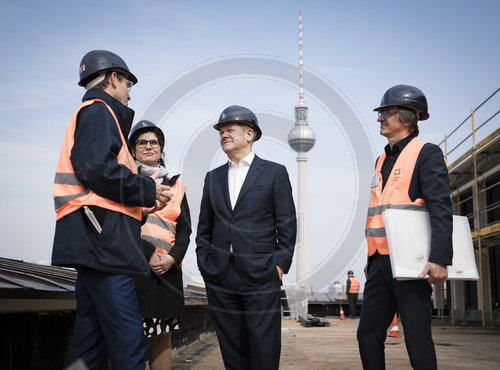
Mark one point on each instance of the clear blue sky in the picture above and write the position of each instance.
(450, 49)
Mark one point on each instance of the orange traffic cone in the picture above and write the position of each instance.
(394, 331)
(342, 316)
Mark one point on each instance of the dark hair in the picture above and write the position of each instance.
(155, 131)
(104, 83)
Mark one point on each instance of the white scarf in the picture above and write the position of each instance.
(146, 170)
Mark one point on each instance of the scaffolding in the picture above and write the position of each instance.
(475, 189)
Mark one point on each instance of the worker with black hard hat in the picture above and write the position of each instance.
(245, 242)
(100, 200)
(410, 174)
(147, 126)
(165, 238)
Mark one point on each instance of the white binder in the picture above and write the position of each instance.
(409, 237)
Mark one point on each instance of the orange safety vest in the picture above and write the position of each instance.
(69, 193)
(394, 195)
(354, 288)
(160, 227)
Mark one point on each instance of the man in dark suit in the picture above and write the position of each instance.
(245, 242)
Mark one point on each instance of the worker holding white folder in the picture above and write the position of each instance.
(410, 174)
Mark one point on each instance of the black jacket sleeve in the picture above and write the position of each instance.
(430, 182)
(94, 159)
(149, 249)
(285, 218)
(183, 232)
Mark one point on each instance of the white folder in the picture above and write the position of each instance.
(409, 237)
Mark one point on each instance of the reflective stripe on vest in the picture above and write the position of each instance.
(160, 227)
(69, 193)
(354, 285)
(394, 195)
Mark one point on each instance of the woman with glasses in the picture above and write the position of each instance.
(165, 238)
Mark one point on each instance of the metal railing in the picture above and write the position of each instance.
(474, 129)
(471, 154)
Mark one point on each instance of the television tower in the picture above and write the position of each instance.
(301, 139)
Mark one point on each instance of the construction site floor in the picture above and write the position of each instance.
(336, 347)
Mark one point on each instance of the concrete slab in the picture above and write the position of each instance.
(336, 347)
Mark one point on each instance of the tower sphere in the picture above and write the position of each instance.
(301, 138)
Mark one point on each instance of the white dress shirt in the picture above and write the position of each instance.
(236, 176)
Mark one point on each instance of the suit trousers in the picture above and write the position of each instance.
(247, 321)
(108, 321)
(383, 296)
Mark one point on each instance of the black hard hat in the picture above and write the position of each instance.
(350, 272)
(96, 61)
(239, 114)
(142, 127)
(405, 96)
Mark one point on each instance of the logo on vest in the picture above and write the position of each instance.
(396, 175)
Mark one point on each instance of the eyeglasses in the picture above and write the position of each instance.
(129, 84)
(387, 112)
(144, 143)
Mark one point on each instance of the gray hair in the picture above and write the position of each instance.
(408, 115)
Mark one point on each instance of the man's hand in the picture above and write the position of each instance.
(437, 272)
(157, 207)
(161, 263)
(162, 191)
(280, 271)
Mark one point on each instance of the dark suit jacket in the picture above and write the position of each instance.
(262, 227)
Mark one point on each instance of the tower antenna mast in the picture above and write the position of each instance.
(301, 79)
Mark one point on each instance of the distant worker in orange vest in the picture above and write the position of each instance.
(410, 174)
(100, 201)
(352, 290)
